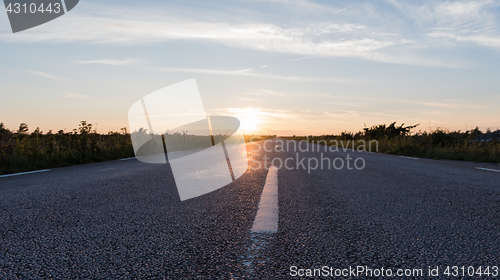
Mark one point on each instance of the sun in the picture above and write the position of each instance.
(250, 119)
(249, 124)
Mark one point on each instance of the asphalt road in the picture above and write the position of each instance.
(124, 220)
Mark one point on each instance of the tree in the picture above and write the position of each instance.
(3, 129)
(23, 128)
(391, 131)
(4, 132)
(84, 127)
(475, 132)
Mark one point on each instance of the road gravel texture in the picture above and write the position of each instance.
(395, 213)
(124, 220)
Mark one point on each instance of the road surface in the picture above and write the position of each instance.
(124, 219)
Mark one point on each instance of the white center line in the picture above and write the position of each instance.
(265, 225)
(408, 157)
(487, 169)
(266, 220)
(23, 173)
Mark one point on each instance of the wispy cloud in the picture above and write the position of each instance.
(74, 95)
(310, 6)
(487, 40)
(46, 75)
(272, 92)
(264, 92)
(448, 104)
(366, 33)
(301, 58)
(458, 21)
(251, 73)
(246, 99)
(434, 113)
(146, 27)
(274, 115)
(244, 72)
(115, 62)
(341, 10)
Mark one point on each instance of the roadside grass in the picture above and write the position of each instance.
(436, 144)
(21, 151)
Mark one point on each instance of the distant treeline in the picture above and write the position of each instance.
(22, 151)
(471, 145)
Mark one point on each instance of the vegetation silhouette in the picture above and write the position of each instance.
(471, 145)
(23, 151)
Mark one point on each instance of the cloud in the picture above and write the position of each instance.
(264, 92)
(250, 73)
(446, 13)
(74, 95)
(366, 33)
(279, 116)
(447, 105)
(310, 6)
(434, 113)
(246, 99)
(341, 10)
(106, 61)
(45, 75)
(271, 92)
(134, 27)
(154, 27)
(244, 72)
(301, 58)
(458, 21)
(491, 41)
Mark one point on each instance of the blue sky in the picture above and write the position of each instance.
(283, 67)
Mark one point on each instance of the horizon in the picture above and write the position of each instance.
(413, 131)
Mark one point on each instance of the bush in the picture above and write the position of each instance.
(23, 151)
(437, 144)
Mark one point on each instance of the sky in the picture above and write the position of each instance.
(285, 67)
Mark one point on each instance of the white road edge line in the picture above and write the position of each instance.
(487, 169)
(130, 158)
(266, 220)
(24, 173)
(408, 157)
(127, 158)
